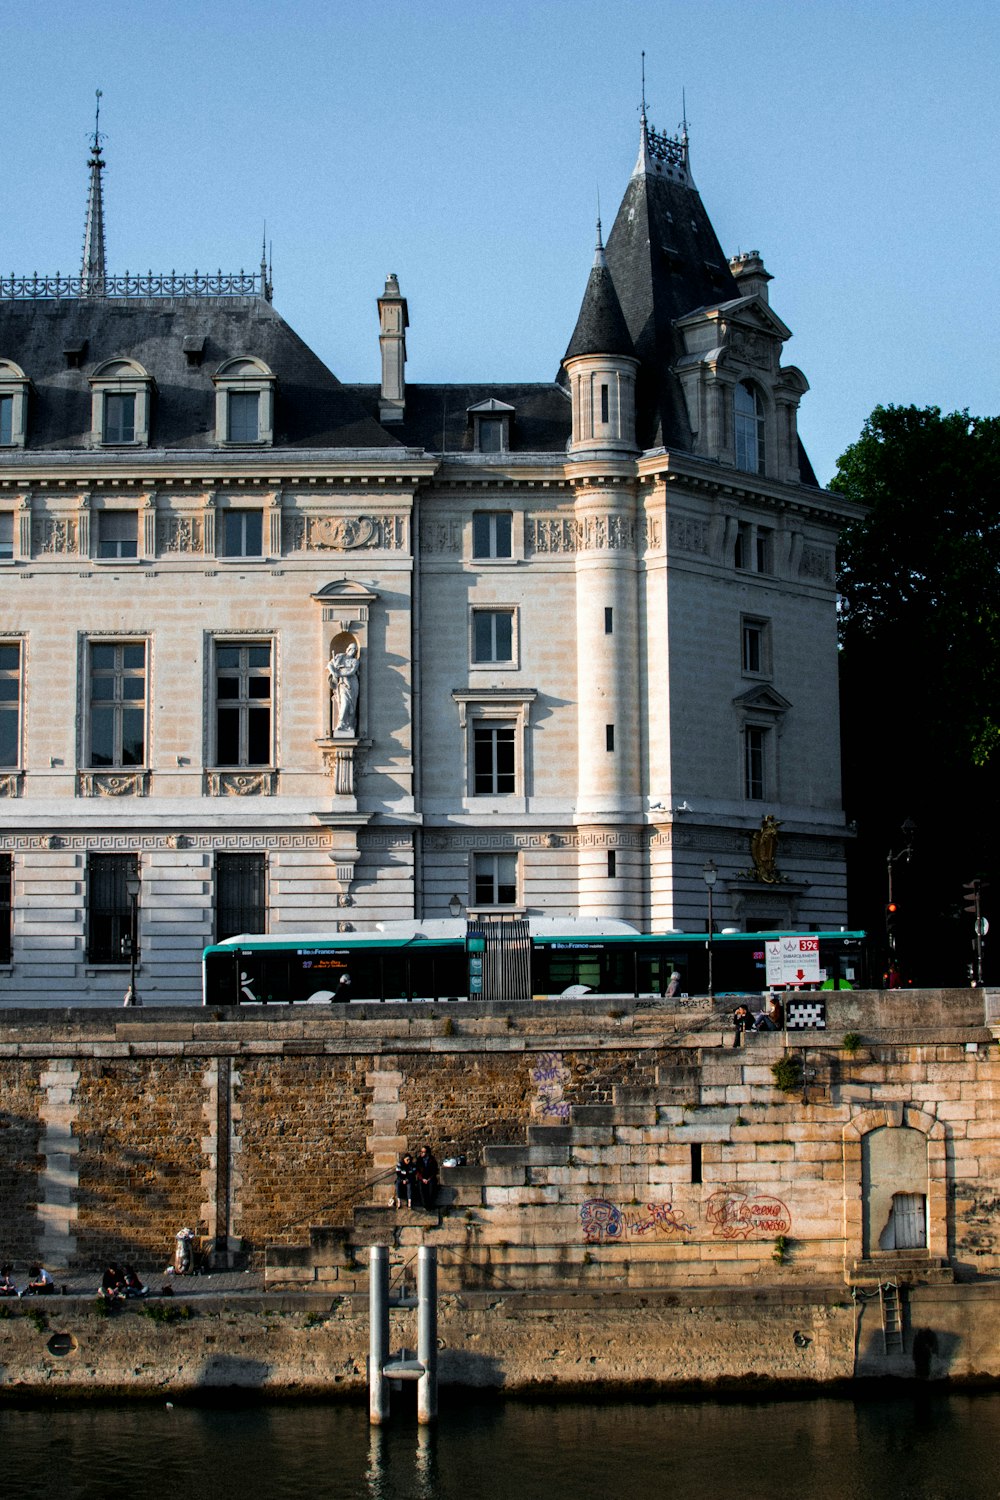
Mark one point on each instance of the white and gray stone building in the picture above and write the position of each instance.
(296, 654)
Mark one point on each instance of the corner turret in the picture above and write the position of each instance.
(601, 365)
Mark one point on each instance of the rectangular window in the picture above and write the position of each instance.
(612, 864)
(6, 906)
(243, 703)
(491, 533)
(605, 405)
(240, 895)
(6, 421)
(755, 653)
(744, 537)
(492, 635)
(495, 879)
(490, 433)
(754, 763)
(10, 703)
(119, 417)
(696, 1161)
(109, 907)
(493, 759)
(118, 533)
(764, 556)
(242, 417)
(242, 533)
(6, 536)
(117, 704)
(609, 621)
(609, 736)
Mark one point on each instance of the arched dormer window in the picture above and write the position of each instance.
(748, 427)
(120, 405)
(13, 404)
(244, 403)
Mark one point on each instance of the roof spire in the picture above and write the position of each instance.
(93, 272)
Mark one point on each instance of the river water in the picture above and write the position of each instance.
(919, 1445)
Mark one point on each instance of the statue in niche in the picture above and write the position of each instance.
(343, 668)
(764, 851)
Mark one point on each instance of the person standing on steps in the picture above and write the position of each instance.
(427, 1177)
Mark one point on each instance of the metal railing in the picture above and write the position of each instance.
(36, 288)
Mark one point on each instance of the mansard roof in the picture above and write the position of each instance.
(437, 418)
(314, 409)
(601, 326)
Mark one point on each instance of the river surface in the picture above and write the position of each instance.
(921, 1445)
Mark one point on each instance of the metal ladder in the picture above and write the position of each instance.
(892, 1316)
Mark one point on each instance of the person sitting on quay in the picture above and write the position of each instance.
(7, 1287)
(741, 1020)
(406, 1175)
(132, 1282)
(427, 1177)
(40, 1283)
(112, 1287)
(772, 1019)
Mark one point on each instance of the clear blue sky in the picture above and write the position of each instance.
(463, 146)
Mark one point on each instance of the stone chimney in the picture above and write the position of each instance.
(393, 322)
(750, 275)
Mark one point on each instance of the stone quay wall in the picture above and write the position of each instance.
(623, 1146)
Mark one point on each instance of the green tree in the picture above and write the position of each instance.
(920, 670)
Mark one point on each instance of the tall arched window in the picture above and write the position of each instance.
(748, 422)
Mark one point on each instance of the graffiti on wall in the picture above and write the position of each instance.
(602, 1220)
(735, 1216)
(550, 1076)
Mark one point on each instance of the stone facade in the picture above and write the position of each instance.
(590, 650)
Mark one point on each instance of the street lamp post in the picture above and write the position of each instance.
(711, 875)
(909, 828)
(132, 891)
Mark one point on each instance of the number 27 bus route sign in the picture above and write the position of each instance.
(792, 960)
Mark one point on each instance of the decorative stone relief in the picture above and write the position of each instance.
(752, 348)
(114, 843)
(178, 535)
(342, 762)
(650, 533)
(240, 783)
(112, 783)
(817, 562)
(10, 784)
(53, 536)
(550, 534)
(440, 536)
(307, 533)
(688, 534)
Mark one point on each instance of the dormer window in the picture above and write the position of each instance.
(244, 403)
(13, 404)
(491, 426)
(120, 393)
(748, 423)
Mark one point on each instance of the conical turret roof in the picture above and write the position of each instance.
(601, 327)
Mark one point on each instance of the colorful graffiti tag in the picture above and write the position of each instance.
(602, 1220)
(550, 1076)
(735, 1216)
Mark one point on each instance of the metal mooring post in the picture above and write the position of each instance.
(378, 1334)
(427, 1385)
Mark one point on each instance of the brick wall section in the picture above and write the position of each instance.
(303, 1130)
(21, 1161)
(140, 1132)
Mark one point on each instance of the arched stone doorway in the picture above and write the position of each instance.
(895, 1187)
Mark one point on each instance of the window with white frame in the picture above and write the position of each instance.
(116, 716)
(748, 427)
(755, 753)
(121, 404)
(6, 535)
(494, 757)
(118, 533)
(10, 703)
(756, 656)
(242, 533)
(14, 385)
(495, 879)
(244, 403)
(492, 534)
(493, 637)
(243, 703)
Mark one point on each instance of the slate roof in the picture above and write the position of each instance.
(601, 326)
(666, 261)
(312, 408)
(437, 416)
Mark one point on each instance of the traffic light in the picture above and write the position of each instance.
(890, 917)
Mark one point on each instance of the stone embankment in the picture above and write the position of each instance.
(639, 1201)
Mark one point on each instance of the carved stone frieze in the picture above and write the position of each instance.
(112, 783)
(179, 535)
(240, 783)
(550, 534)
(331, 533)
(53, 536)
(440, 536)
(688, 534)
(10, 784)
(817, 562)
(755, 349)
